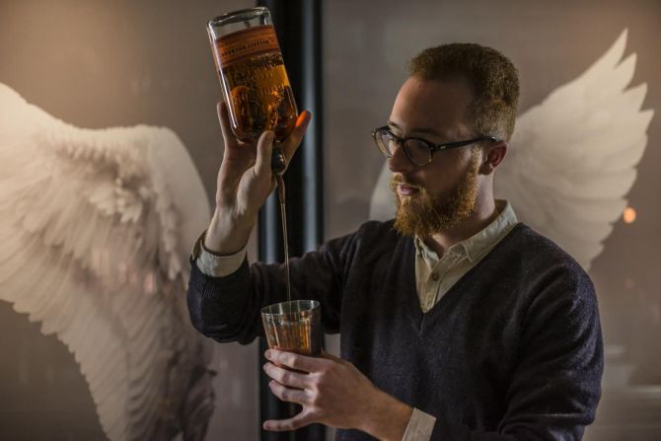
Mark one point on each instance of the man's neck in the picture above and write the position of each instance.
(484, 214)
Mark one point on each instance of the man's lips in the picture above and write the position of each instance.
(406, 190)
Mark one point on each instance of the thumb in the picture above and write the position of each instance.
(264, 152)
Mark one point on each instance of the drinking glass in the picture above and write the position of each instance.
(294, 326)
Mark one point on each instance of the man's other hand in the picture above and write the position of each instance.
(334, 392)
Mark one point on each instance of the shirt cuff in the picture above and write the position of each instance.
(420, 427)
(216, 265)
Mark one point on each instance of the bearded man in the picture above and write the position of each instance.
(457, 321)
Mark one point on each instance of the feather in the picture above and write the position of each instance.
(580, 148)
(105, 218)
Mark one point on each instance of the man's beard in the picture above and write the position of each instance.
(423, 216)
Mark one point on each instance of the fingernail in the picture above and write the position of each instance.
(301, 118)
(267, 354)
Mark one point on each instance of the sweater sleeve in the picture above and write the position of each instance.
(228, 308)
(556, 385)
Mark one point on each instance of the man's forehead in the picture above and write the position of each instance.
(431, 107)
(422, 130)
(457, 88)
(434, 131)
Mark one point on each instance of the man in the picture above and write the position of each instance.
(457, 322)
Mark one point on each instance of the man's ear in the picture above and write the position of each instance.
(493, 155)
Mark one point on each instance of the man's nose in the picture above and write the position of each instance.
(399, 162)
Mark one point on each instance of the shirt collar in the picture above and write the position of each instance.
(476, 246)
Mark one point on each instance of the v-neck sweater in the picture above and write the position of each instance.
(513, 351)
(435, 274)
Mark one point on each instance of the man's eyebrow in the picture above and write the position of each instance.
(421, 131)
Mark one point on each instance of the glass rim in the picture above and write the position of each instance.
(234, 16)
(269, 309)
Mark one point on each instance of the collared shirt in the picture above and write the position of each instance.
(434, 277)
(216, 265)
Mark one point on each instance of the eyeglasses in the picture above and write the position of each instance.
(418, 150)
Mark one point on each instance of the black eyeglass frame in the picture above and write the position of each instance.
(433, 148)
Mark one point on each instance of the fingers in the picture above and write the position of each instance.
(298, 421)
(289, 146)
(224, 119)
(286, 377)
(295, 361)
(288, 394)
(264, 152)
(293, 141)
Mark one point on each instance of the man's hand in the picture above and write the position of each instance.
(245, 181)
(333, 392)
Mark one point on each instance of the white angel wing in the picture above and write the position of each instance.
(573, 158)
(95, 227)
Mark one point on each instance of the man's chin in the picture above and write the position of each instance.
(408, 201)
(409, 222)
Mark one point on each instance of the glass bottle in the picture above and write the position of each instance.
(252, 74)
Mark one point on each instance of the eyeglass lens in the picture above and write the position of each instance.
(416, 150)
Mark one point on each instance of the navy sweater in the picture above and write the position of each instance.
(512, 352)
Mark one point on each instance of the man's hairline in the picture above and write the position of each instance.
(432, 131)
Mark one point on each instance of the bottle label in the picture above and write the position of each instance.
(246, 43)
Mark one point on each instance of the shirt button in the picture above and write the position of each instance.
(434, 277)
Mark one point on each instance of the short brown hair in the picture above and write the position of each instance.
(492, 77)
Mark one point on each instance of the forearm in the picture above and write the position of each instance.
(225, 295)
(224, 308)
(226, 235)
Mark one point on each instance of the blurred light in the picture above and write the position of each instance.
(629, 215)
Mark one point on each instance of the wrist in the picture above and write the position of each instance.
(226, 235)
(387, 418)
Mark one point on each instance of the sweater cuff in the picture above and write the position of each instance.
(216, 265)
(420, 426)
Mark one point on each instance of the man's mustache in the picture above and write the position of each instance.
(400, 179)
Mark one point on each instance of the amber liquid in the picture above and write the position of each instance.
(283, 216)
(295, 330)
(260, 98)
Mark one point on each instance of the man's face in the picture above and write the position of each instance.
(440, 195)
